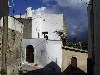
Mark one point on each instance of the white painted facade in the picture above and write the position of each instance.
(44, 51)
(51, 48)
(29, 12)
(47, 23)
(42, 22)
(13, 24)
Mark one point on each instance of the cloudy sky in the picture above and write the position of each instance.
(75, 13)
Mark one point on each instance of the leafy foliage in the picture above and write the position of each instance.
(61, 34)
(83, 46)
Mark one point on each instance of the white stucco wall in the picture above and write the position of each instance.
(38, 45)
(47, 23)
(13, 24)
(45, 51)
(54, 52)
(29, 12)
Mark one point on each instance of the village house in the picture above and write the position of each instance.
(46, 44)
(37, 41)
(15, 35)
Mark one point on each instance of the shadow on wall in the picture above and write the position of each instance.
(53, 69)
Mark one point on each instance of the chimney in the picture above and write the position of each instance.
(29, 12)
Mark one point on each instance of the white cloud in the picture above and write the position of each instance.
(68, 3)
(39, 11)
(73, 33)
(74, 30)
(43, 10)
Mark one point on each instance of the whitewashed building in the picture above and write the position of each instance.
(42, 52)
(13, 24)
(47, 24)
(45, 46)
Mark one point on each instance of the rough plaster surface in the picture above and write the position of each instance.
(14, 24)
(38, 45)
(27, 29)
(81, 59)
(47, 23)
(15, 34)
(51, 51)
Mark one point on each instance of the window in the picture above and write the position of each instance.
(45, 35)
(43, 19)
(38, 35)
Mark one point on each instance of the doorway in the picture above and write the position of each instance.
(30, 54)
(73, 64)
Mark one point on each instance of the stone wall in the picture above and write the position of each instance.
(13, 51)
(15, 35)
(68, 53)
(0, 45)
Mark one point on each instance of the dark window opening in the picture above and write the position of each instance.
(45, 35)
(44, 20)
(38, 35)
(30, 54)
(73, 64)
(13, 35)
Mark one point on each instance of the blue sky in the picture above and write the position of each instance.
(75, 13)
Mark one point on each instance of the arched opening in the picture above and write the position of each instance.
(30, 54)
(73, 64)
